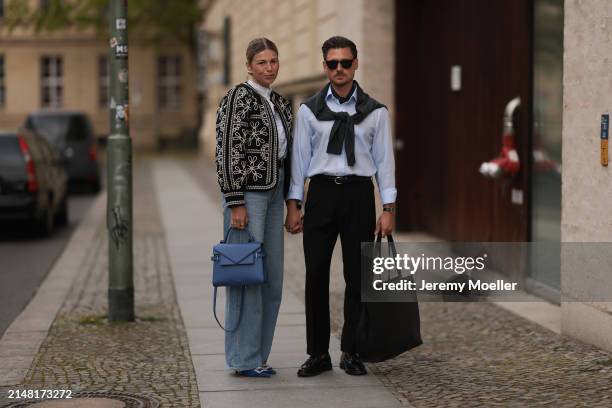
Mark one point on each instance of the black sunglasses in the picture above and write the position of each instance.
(333, 64)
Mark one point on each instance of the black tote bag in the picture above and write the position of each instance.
(387, 329)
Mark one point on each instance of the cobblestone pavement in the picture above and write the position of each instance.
(84, 353)
(474, 354)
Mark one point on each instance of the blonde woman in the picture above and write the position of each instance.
(252, 155)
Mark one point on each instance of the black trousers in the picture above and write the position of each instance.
(331, 210)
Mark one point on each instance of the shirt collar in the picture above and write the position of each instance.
(331, 95)
(262, 90)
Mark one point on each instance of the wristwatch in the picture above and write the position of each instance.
(389, 209)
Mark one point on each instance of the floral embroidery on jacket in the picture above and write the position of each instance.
(246, 140)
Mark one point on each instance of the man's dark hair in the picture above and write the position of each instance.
(338, 42)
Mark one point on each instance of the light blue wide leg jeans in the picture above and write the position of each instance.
(250, 344)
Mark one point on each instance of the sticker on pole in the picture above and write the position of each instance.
(121, 112)
(122, 115)
(122, 75)
(121, 51)
(121, 24)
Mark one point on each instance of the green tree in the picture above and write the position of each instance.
(149, 21)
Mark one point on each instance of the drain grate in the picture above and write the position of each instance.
(129, 400)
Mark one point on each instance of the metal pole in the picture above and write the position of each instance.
(119, 148)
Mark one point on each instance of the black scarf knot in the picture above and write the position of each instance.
(343, 130)
(343, 133)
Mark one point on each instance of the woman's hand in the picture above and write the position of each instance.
(240, 219)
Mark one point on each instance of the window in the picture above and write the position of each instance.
(202, 58)
(169, 82)
(2, 90)
(103, 82)
(52, 83)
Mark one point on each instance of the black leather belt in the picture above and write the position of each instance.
(341, 179)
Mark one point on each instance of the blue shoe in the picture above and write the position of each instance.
(259, 372)
(269, 369)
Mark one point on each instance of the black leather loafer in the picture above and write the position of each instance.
(315, 366)
(351, 364)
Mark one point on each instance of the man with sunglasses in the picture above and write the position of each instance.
(342, 138)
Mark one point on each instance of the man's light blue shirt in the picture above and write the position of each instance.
(373, 149)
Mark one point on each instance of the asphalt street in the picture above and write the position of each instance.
(25, 259)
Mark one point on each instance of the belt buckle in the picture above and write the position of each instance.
(338, 179)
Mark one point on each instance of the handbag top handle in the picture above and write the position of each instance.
(230, 229)
(379, 238)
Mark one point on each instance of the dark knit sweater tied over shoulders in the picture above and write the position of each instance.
(343, 130)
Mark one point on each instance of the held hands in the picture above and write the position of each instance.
(294, 223)
(385, 224)
(240, 219)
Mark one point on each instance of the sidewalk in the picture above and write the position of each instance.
(473, 355)
(191, 232)
(175, 349)
(82, 352)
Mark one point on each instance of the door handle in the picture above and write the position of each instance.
(507, 163)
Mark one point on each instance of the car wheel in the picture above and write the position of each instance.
(45, 224)
(62, 215)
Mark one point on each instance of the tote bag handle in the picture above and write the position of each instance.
(392, 249)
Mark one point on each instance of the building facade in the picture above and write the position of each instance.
(68, 69)
(298, 27)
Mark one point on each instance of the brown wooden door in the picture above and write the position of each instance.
(446, 135)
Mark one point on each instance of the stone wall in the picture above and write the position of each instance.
(587, 185)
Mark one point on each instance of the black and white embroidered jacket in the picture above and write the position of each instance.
(247, 143)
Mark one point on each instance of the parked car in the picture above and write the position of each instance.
(33, 181)
(72, 135)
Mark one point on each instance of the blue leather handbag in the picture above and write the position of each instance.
(237, 264)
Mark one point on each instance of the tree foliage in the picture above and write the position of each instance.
(148, 20)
